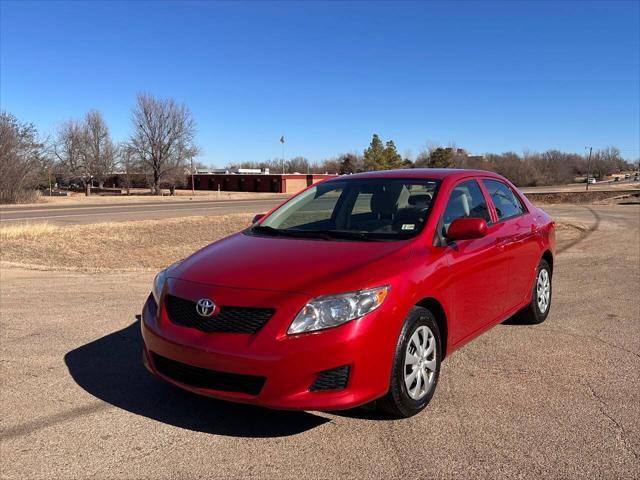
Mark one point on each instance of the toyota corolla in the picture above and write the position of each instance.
(353, 291)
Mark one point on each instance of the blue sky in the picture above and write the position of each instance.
(489, 76)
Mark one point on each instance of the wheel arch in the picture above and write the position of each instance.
(435, 307)
(548, 257)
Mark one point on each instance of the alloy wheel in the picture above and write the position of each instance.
(420, 363)
(543, 290)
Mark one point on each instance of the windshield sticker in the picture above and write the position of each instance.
(408, 226)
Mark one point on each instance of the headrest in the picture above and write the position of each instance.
(422, 200)
(461, 203)
(384, 199)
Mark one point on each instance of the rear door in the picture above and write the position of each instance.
(516, 234)
(478, 271)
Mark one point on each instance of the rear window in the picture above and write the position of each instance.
(504, 199)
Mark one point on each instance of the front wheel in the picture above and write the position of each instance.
(538, 310)
(416, 365)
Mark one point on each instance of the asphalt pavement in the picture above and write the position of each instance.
(118, 212)
(557, 400)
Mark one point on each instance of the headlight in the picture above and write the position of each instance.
(333, 310)
(161, 278)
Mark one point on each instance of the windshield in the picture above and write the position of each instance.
(355, 209)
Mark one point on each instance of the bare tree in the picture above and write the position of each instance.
(329, 165)
(297, 165)
(69, 149)
(100, 152)
(607, 161)
(21, 159)
(163, 137)
(84, 149)
(125, 155)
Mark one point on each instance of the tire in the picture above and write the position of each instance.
(419, 333)
(537, 312)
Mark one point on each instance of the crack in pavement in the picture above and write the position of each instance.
(594, 338)
(388, 436)
(622, 433)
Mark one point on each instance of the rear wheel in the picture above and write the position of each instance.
(416, 366)
(538, 310)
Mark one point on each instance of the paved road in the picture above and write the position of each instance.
(557, 400)
(119, 212)
(581, 187)
(68, 215)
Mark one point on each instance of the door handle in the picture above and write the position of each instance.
(503, 242)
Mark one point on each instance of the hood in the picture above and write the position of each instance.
(309, 266)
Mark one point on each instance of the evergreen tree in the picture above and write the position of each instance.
(374, 155)
(407, 163)
(441, 158)
(392, 158)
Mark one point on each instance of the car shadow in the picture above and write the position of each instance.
(111, 369)
(514, 320)
(365, 413)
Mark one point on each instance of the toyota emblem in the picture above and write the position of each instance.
(205, 307)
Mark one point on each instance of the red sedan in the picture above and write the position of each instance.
(352, 291)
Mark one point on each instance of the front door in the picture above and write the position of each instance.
(478, 269)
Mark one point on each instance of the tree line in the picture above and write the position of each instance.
(162, 147)
(552, 167)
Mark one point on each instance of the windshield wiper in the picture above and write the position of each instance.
(265, 229)
(344, 234)
(290, 233)
(320, 234)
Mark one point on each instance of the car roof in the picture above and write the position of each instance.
(428, 173)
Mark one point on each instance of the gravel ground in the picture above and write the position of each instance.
(557, 400)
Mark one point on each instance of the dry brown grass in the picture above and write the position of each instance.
(132, 246)
(148, 244)
(26, 230)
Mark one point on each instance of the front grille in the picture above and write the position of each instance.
(204, 378)
(228, 320)
(334, 379)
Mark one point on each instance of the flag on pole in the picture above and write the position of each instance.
(282, 139)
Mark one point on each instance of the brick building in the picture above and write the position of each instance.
(237, 182)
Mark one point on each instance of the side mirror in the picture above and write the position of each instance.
(257, 218)
(467, 229)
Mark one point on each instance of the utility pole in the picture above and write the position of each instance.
(589, 166)
(193, 190)
(282, 142)
(127, 168)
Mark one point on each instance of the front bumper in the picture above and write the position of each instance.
(290, 364)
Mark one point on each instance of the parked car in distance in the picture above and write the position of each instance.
(353, 291)
(591, 180)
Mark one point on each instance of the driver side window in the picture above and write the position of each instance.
(466, 200)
